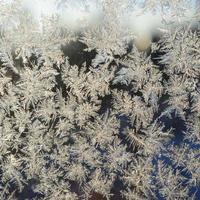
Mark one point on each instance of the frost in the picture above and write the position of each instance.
(99, 99)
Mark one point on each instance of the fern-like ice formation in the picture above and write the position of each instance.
(97, 101)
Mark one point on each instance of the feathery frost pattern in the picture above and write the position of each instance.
(99, 100)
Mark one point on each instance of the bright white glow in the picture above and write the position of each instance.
(79, 14)
(39, 7)
(73, 15)
(147, 22)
